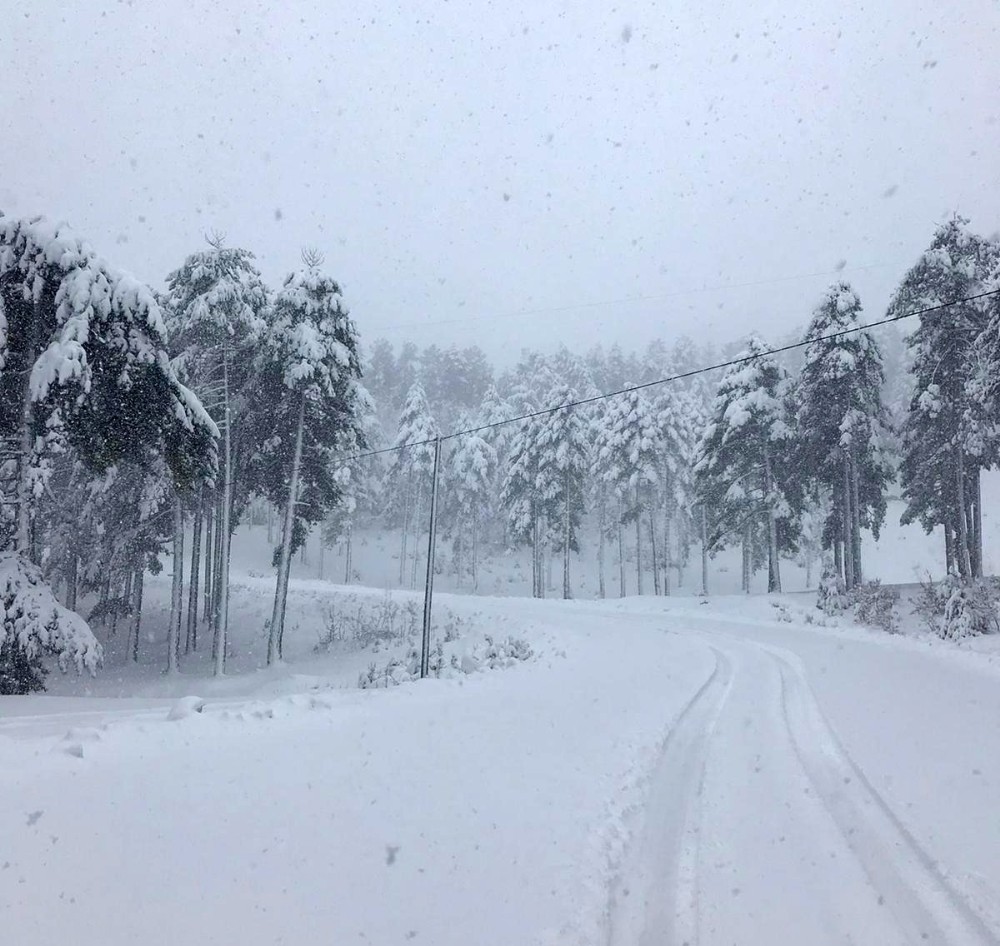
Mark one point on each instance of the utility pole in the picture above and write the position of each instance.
(425, 648)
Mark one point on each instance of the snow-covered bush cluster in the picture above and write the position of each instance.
(875, 605)
(956, 609)
(490, 654)
(364, 623)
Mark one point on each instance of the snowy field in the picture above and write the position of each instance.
(659, 771)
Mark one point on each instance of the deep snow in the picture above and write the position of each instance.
(663, 771)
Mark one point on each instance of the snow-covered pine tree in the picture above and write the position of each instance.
(675, 443)
(472, 479)
(943, 446)
(84, 371)
(216, 301)
(408, 475)
(521, 494)
(742, 473)
(629, 459)
(843, 427)
(307, 395)
(601, 492)
(361, 483)
(564, 464)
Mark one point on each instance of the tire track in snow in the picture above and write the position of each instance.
(924, 904)
(654, 900)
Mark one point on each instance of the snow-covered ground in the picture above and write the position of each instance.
(661, 771)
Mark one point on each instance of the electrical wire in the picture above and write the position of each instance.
(681, 376)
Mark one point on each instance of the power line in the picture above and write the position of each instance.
(681, 376)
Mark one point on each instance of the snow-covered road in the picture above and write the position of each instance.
(760, 827)
(664, 773)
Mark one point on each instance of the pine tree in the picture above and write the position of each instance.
(630, 461)
(521, 493)
(410, 467)
(84, 373)
(472, 481)
(308, 395)
(742, 473)
(216, 302)
(563, 466)
(676, 444)
(943, 450)
(843, 427)
(360, 479)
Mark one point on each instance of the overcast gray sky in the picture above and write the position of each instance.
(508, 174)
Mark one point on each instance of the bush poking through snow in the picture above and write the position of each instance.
(929, 605)
(954, 609)
(876, 606)
(34, 624)
(368, 625)
(832, 597)
(490, 655)
(504, 653)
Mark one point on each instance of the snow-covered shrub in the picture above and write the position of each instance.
(971, 609)
(401, 670)
(876, 606)
(503, 653)
(368, 625)
(34, 624)
(832, 597)
(929, 604)
(955, 609)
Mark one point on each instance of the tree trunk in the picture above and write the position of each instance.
(567, 591)
(275, 636)
(856, 523)
(838, 557)
(191, 637)
(137, 611)
(72, 579)
(848, 521)
(704, 551)
(349, 554)
(216, 577)
(949, 548)
(26, 437)
(536, 566)
(977, 522)
(418, 508)
(621, 555)
(638, 545)
(668, 537)
(321, 555)
(601, 528)
(547, 559)
(208, 592)
(176, 589)
(652, 552)
(773, 562)
(225, 531)
(747, 553)
(964, 563)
